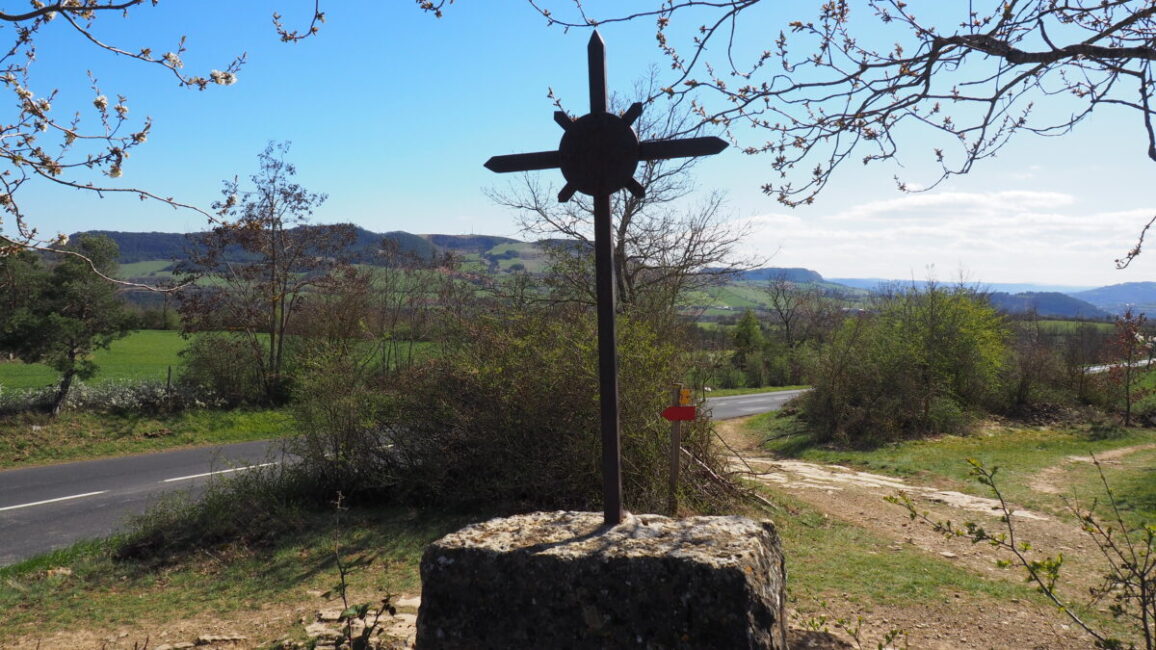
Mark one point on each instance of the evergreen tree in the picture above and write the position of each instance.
(59, 314)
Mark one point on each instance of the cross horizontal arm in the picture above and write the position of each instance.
(524, 162)
(663, 149)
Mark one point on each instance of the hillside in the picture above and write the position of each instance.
(138, 247)
(1047, 304)
(796, 275)
(148, 256)
(144, 246)
(1141, 296)
(872, 284)
(477, 244)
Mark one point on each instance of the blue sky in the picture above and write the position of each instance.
(392, 113)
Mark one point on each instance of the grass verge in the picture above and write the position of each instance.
(34, 439)
(835, 567)
(256, 551)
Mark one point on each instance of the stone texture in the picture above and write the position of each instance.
(563, 580)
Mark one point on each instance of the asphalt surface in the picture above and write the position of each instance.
(737, 406)
(50, 507)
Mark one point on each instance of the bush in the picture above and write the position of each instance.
(509, 416)
(341, 409)
(916, 367)
(222, 364)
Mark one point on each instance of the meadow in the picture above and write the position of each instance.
(143, 355)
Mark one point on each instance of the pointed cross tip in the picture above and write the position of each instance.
(715, 144)
(596, 41)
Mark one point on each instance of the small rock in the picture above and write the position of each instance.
(210, 639)
(321, 631)
(413, 602)
(329, 615)
(948, 554)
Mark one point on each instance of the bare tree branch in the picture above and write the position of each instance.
(37, 145)
(826, 90)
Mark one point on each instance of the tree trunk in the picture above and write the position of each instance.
(62, 392)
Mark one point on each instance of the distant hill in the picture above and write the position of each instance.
(797, 275)
(144, 246)
(1049, 304)
(468, 243)
(167, 246)
(872, 284)
(149, 255)
(407, 243)
(1141, 296)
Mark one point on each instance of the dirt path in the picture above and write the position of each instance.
(1050, 479)
(857, 498)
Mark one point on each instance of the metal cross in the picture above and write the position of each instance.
(598, 155)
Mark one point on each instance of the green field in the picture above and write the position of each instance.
(146, 355)
(142, 355)
(146, 269)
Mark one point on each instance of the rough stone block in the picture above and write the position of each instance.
(564, 580)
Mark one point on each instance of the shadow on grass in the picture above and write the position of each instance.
(1136, 494)
(786, 436)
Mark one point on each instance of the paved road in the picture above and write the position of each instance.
(725, 408)
(44, 508)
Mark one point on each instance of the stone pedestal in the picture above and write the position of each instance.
(563, 580)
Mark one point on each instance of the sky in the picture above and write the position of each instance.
(392, 112)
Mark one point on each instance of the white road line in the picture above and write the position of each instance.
(40, 503)
(224, 471)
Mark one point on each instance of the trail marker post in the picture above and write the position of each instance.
(680, 411)
(598, 155)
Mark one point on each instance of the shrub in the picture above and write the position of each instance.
(913, 368)
(222, 364)
(340, 408)
(508, 416)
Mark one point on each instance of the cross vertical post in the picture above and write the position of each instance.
(598, 154)
(605, 296)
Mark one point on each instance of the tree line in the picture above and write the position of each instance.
(933, 358)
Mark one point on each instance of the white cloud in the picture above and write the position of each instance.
(1001, 236)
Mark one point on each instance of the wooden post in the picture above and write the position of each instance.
(675, 453)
